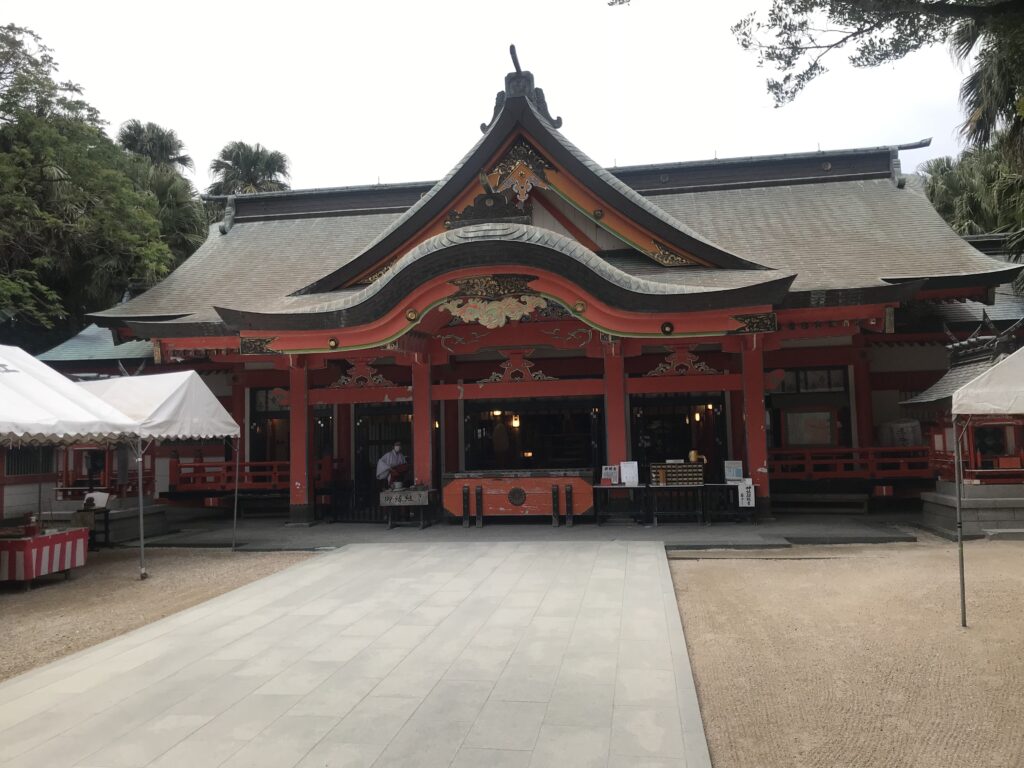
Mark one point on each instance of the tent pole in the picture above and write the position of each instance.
(234, 521)
(142, 532)
(958, 478)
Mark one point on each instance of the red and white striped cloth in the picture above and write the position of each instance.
(29, 558)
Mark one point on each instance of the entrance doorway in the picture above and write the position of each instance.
(665, 427)
(548, 433)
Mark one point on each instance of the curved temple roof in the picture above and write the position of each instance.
(831, 227)
(526, 247)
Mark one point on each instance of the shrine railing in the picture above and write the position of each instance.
(219, 476)
(851, 463)
(1004, 470)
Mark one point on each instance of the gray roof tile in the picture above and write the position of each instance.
(95, 343)
(843, 234)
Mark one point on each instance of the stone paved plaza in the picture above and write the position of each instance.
(501, 654)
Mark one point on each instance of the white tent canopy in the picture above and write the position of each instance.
(167, 406)
(997, 392)
(39, 406)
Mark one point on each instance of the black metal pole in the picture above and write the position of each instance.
(958, 482)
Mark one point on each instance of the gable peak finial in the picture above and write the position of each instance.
(520, 84)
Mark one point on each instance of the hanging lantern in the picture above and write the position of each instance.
(515, 421)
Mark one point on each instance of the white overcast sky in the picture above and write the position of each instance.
(356, 92)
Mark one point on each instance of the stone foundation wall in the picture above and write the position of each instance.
(979, 515)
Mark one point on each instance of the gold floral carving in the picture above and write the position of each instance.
(669, 258)
(493, 314)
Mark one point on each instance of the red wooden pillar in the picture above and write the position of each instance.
(422, 422)
(754, 413)
(862, 393)
(614, 403)
(300, 510)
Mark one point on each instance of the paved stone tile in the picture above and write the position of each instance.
(149, 742)
(565, 746)
(418, 652)
(455, 701)
(423, 743)
(641, 732)
(375, 720)
(265, 752)
(472, 757)
(339, 754)
(589, 668)
(478, 663)
(196, 752)
(335, 696)
(247, 718)
(582, 704)
(645, 688)
(507, 725)
(629, 761)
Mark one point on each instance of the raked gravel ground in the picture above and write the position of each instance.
(853, 656)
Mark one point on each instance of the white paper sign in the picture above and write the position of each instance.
(610, 471)
(746, 492)
(629, 472)
(733, 472)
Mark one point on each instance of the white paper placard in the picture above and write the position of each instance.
(733, 471)
(746, 492)
(611, 472)
(629, 473)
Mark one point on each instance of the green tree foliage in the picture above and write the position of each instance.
(980, 192)
(75, 229)
(161, 146)
(160, 158)
(242, 168)
(795, 36)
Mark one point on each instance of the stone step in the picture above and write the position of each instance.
(1004, 534)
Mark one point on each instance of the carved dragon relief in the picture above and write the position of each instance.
(576, 338)
(681, 362)
(248, 345)
(516, 368)
(763, 322)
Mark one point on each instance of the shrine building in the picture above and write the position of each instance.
(536, 315)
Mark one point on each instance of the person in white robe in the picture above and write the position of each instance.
(392, 466)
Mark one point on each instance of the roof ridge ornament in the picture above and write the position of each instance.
(520, 84)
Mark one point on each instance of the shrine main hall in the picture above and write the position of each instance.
(533, 315)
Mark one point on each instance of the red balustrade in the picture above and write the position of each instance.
(1005, 470)
(213, 476)
(850, 463)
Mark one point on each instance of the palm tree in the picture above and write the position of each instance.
(981, 192)
(182, 218)
(160, 145)
(242, 168)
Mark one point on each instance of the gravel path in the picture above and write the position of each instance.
(853, 656)
(106, 598)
